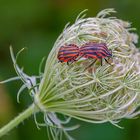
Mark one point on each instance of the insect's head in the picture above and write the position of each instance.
(110, 53)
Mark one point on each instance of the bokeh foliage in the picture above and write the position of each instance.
(35, 24)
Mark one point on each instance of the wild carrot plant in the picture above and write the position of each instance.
(96, 94)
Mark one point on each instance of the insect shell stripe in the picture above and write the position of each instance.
(69, 47)
(65, 58)
(99, 53)
(96, 55)
(94, 47)
(91, 49)
(96, 52)
(91, 56)
(68, 53)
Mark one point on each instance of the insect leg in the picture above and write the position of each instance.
(68, 63)
(107, 61)
(71, 61)
(101, 61)
(59, 61)
(90, 64)
(79, 57)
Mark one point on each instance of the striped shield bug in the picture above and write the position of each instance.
(68, 53)
(94, 50)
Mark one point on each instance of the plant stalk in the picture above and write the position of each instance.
(17, 120)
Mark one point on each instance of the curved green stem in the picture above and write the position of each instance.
(16, 121)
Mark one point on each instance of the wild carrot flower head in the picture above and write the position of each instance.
(96, 94)
(100, 93)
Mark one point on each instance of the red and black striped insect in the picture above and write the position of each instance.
(68, 53)
(97, 51)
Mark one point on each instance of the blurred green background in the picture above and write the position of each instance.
(35, 24)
